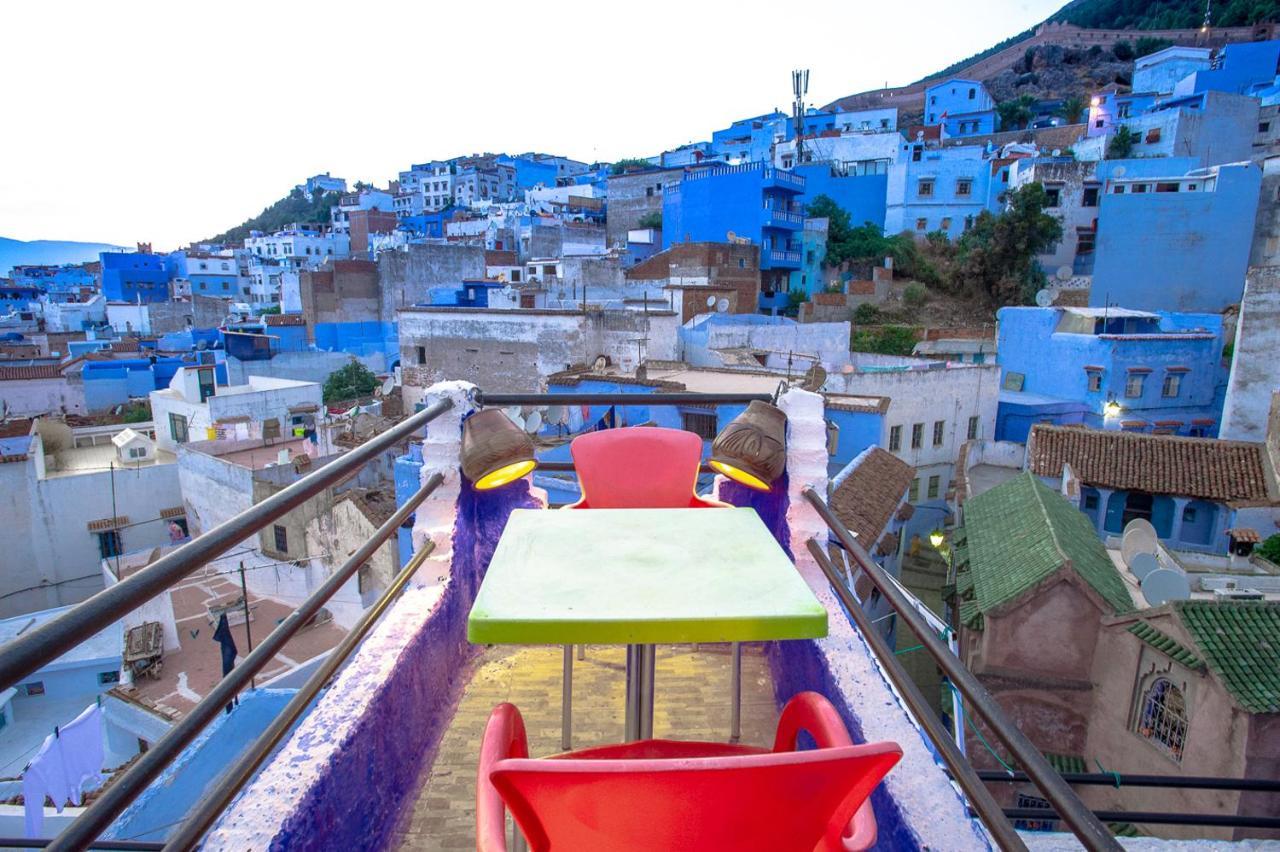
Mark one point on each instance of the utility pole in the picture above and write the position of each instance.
(800, 87)
(117, 539)
(244, 599)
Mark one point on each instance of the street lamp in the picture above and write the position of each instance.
(1111, 408)
(936, 538)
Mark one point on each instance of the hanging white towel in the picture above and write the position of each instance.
(45, 776)
(82, 753)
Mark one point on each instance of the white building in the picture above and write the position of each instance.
(74, 316)
(72, 497)
(425, 187)
(856, 152)
(194, 407)
(311, 247)
(41, 386)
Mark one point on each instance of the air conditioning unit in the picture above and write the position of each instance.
(1237, 595)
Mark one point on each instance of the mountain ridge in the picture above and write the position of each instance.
(48, 252)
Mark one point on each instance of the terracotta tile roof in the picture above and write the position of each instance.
(38, 371)
(847, 402)
(285, 319)
(1232, 472)
(867, 498)
(1245, 534)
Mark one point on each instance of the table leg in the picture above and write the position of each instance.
(566, 701)
(639, 710)
(735, 686)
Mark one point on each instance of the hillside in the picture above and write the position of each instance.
(1008, 69)
(1162, 14)
(294, 207)
(47, 252)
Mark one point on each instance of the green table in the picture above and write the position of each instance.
(638, 577)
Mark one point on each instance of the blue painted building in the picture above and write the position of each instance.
(1177, 242)
(1161, 71)
(17, 297)
(1213, 127)
(941, 189)
(963, 107)
(54, 280)
(863, 196)
(115, 382)
(1112, 106)
(750, 140)
(1109, 368)
(135, 277)
(1245, 68)
(808, 279)
(530, 172)
(753, 201)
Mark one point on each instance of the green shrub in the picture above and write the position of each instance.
(915, 295)
(349, 382)
(1270, 549)
(651, 220)
(1123, 51)
(866, 314)
(884, 340)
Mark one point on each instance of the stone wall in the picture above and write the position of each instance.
(346, 291)
(634, 196)
(1255, 373)
(407, 275)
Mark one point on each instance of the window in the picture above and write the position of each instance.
(178, 428)
(1162, 718)
(1090, 197)
(1095, 381)
(742, 263)
(935, 483)
(1133, 385)
(1189, 515)
(105, 678)
(1167, 186)
(964, 186)
(35, 687)
(973, 93)
(109, 543)
(973, 428)
(1053, 194)
(939, 426)
(1264, 126)
(137, 452)
(207, 383)
(699, 423)
(1091, 501)
(281, 538)
(1139, 187)
(913, 492)
(922, 224)
(1098, 123)
(895, 438)
(946, 223)
(1153, 135)
(1172, 384)
(1086, 241)
(917, 436)
(422, 354)
(925, 189)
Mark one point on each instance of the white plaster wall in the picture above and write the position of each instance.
(29, 397)
(827, 340)
(1255, 370)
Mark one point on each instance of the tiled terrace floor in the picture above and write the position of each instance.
(691, 703)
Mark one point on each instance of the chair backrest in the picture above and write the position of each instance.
(783, 802)
(637, 467)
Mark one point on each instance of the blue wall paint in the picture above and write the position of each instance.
(1056, 384)
(1185, 251)
(134, 276)
(863, 196)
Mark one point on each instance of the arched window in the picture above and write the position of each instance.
(1162, 718)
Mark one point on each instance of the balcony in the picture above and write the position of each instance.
(773, 216)
(780, 259)
(783, 179)
(378, 748)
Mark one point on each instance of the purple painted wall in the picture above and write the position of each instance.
(359, 796)
(770, 505)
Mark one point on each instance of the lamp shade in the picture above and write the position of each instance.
(495, 451)
(936, 538)
(752, 449)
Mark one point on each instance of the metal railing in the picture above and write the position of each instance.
(1087, 827)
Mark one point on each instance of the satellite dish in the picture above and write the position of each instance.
(1138, 537)
(389, 385)
(1143, 564)
(1044, 298)
(514, 415)
(1142, 524)
(711, 300)
(533, 423)
(1165, 584)
(600, 363)
(1064, 273)
(722, 306)
(1118, 171)
(847, 369)
(814, 378)
(555, 415)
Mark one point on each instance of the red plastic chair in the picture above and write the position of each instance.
(639, 467)
(665, 794)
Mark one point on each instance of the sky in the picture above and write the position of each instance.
(171, 122)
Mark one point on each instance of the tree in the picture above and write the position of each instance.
(1120, 145)
(996, 257)
(628, 164)
(1149, 44)
(1123, 51)
(1270, 549)
(651, 220)
(1071, 109)
(270, 309)
(349, 382)
(885, 340)
(868, 242)
(1016, 113)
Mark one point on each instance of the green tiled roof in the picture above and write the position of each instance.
(1064, 763)
(1166, 644)
(1022, 532)
(1240, 642)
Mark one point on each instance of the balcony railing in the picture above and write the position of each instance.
(784, 256)
(43, 644)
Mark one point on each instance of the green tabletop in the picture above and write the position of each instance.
(641, 576)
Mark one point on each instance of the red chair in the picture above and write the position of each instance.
(639, 467)
(636, 467)
(666, 794)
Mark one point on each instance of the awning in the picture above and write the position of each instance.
(1245, 534)
(308, 408)
(104, 524)
(175, 512)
